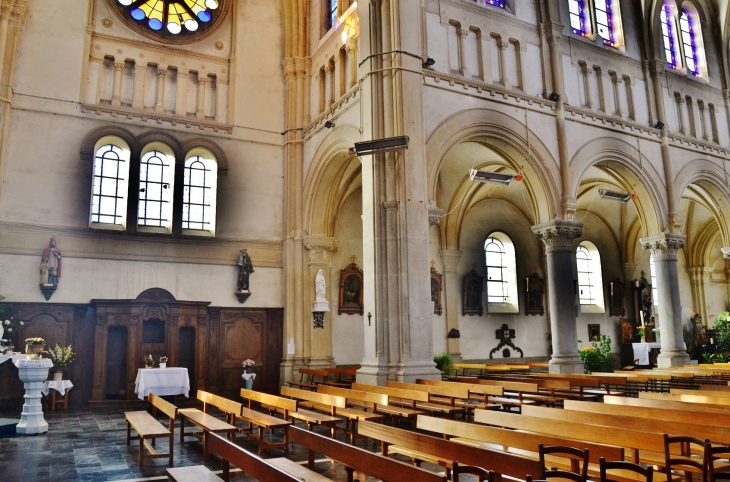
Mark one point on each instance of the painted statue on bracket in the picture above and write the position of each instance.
(50, 269)
(245, 268)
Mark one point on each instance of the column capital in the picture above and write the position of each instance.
(320, 248)
(434, 216)
(657, 67)
(202, 79)
(463, 32)
(554, 31)
(161, 72)
(451, 258)
(725, 253)
(558, 235)
(664, 246)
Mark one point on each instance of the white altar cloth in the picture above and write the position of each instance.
(60, 386)
(162, 381)
(641, 351)
(16, 356)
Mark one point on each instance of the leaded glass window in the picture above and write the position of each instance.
(692, 44)
(199, 192)
(580, 17)
(177, 17)
(156, 178)
(669, 33)
(608, 22)
(590, 278)
(332, 13)
(652, 274)
(496, 289)
(110, 183)
(585, 283)
(496, 3)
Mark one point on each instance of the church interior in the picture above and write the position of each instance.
(281, 198)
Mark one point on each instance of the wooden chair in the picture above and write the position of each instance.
(717, 470)
(647, 471)
(686, 460)
(577, 473)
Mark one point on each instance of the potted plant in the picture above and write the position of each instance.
(445, 364)
(62, 357)
(642, 333)
(34, 347)
(248, 375)
(163, 362)
(598, 356)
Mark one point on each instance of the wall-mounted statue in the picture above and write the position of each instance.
(245, 268)
(50, 269)
(320, 305)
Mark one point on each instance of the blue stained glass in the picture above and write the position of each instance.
(155, 24)
(204, 16)
(138, 14)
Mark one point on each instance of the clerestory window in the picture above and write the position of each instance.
(590, 280)
(156, 185)
(199, 192)
(501, 280)
(601, 18)
(110, 184)
(682, 38)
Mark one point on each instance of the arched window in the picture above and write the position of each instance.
(199, 193)
(590, 280)
(156, 186)
(171, 17)
(602, 17)
(580, 17)
(332, 13)
(682, 35)
(110, 184)
(501, 274)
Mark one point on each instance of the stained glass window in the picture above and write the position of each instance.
(109, 186)
(693, 47)
(176, 16)
(580, 17)
(332, 13)
(585, 284)
(156, 178)
(608, 22)
(652, 275)
(669, 32)
(496, 3)
(199, 192)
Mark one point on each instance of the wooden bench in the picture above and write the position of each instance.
(445, 401)
(674, 414)
(334, 406)
(449, 454)
(274, 470)
(147, 427)
(289, 409)
(697, 399)
(375, 402)
(357, 459)
(208, 423)
(344, 377)
(266, 422)
(672, 404)
(516, 442)
(192, 473)
(313, 382)
(486, 393)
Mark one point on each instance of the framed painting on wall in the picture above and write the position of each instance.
(472, 289)
(594, 332)
(351, 290)
(436, 287)
(534, 295)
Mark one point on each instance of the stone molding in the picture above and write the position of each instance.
(434, 216)
(451, 258)
(664, 246)
(159, 118)
(725, 253)
(320, 248)
(558, 235)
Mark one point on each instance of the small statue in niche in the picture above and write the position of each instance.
(320, 286)
(245, 268)
(50, 269)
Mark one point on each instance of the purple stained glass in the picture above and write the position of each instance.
(496, 3)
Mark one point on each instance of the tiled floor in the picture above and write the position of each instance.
(90, 446)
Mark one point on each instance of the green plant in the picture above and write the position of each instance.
(721, 358)
(444, 363)
(708, 357)
(35, 341)
(149, 362)
(62, 356)
(640, 331)
(722, 331)
(598, 356)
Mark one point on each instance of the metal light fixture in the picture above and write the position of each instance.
(554, 96)
(329, 124)
(428, 63)
(378, 146)
(659, 125)
(491, 177)
(619, 196)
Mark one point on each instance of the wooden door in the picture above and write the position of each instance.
(116, 363)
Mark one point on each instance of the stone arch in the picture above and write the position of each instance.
(651, 195)
(710, 177)
(330, 179)
(505, 133)
(164, 138)
(220, 155)
(87, 145)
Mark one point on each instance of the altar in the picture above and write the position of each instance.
(642, 353)
(162, 382)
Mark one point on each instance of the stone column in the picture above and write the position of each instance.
(558, 237)
(452, 293)
(202, 81)
(463, 33)
(329, 81)
(117, 89)
(319, 252)
(587, 72)
(352, 63)
(33, 373)
(140, 72)
(503, 79)
(664, 247)
(159, 105)
(181, 92)
(703, 122)
(615, 80)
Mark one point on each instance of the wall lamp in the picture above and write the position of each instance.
(554, 96)
(428, 63)
(329, 124)
(659, 125)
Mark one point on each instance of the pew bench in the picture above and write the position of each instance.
(441, 400)
(376, 402)
(208, 423)
(192, 473)
(316, 377)
(148, 427)
(289, 409)
(344, 377)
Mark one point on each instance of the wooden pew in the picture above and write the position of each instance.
(396, 396)
(147, 427)
(515, 393)
(652, 442)
(208, 423)
(688, 427)
(289, 409)
(671, 404)
(677, 415)
(447, 452)
(313, 379)
(480, 396)
(518, 442)
(698, 399)
(357, 459)
(344, 377)
(274, 470)
(334, 406)
(716, 391)
(449, 395)
(376, 402)
(546, 387)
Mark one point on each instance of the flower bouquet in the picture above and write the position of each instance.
(248, 365)
(149, 362)
(62, 356)
(163, 362)
(34, 347)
